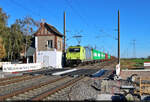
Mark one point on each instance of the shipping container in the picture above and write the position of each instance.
(106, 56)
(95, 54)
(109, 56)
(88, 53)
(103, 55)
(99, 55)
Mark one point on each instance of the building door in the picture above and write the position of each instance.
(30, 59)
(46, 61)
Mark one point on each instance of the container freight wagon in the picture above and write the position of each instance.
(109, 56)
(97, 55)
(102, 56)
(88, 54)
(106, 56)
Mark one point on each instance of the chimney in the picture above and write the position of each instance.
(42, 22)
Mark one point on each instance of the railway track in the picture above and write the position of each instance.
(42, 90)
(18, 79)
(10, 88)
(98, 65)
(38, 87)
(11, 78)
(47, 94)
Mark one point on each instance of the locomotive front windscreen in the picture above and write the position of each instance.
(74, 50)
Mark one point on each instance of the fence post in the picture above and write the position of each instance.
(140, 87)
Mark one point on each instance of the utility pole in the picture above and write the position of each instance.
(134, 50)
(64, 44)
(118, 65)
(118, 36)
(127, 52)
(64, 49)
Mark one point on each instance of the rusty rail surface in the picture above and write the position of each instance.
(22, 78)
(45, 94)
(14, 77)
(2, 98)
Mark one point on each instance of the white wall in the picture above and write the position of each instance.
(36, 42)
(50, 58)
(59, 59)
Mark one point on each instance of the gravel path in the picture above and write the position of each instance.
(81, 90)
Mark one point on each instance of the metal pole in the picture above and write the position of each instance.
(64, 50)
(134, 50)
(118, 36)
(64, 44)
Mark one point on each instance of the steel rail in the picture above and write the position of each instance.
(22, 79)
(14, 77)
(2, 98)
(45, 94)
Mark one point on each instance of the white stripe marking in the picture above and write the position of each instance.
(63, 72)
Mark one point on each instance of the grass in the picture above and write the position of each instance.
(133, 63)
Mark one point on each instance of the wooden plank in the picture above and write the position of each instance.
(140, 87)
(146, 85)
(145, 78)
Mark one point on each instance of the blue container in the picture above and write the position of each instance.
(88, 53)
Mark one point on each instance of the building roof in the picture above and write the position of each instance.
(50, 28)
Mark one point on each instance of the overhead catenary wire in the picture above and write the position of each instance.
(69, 3)
(25, 8)
(83, 18)
(94, 25)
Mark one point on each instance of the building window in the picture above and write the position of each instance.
(59, 45)
(50, 43)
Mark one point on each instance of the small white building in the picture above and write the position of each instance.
(48, 47)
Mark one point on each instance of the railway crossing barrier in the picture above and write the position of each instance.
(21, 67)
(118, 69)
(147, 64)
(3, 63)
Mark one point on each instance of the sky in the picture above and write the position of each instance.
(95, 20)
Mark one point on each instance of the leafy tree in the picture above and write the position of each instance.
(27, 25)
(2, 49)
(15, 41)
(4, 30)
(17, 36)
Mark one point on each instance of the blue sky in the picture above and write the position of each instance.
(95, 20)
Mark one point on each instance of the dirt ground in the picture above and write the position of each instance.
(125, 74)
